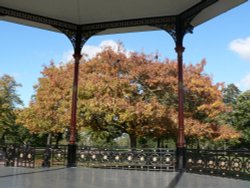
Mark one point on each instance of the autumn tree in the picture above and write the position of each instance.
(134, 94)
(203, 100)
(112, 100)
(49, 110)
(205, 103)
(137, 95)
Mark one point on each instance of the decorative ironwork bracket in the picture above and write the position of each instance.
(182, 24)
(77, 37)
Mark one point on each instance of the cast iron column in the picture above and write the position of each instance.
(181, 137)
(181, 150)
(72, 139)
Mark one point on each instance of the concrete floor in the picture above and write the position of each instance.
(101, 178)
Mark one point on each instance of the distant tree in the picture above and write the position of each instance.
(230, 94)
(241, 117)
(9, 101)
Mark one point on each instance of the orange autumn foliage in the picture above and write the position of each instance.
(134, 94)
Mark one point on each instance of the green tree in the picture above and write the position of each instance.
(241, 117)
(230, 94)
(9, 100)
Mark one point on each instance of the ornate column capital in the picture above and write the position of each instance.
(179, 49)
(77, 56)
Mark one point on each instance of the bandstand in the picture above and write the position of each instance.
(81, 19)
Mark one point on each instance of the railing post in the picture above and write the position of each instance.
(47, 157)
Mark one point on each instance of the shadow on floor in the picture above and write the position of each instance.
(31, 172)
(174, 182)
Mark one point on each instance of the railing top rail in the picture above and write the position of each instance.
(219, 150)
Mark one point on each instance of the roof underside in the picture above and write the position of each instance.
(87, 12)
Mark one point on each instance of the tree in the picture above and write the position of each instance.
(9, 100)
(241, 117)
(203, 99)
(133, 94)
(230, 94)
(204, 102)
(111, 99)
(49, 110)
(137, 95)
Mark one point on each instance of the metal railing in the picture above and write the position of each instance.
(136, 159)
(18, 155)
(227, 163)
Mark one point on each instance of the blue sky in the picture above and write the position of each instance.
(224, 42)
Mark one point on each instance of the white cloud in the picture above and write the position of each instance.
(90, 51)
(244, 83)
(67, 56)
(110, 43)
(241, 47)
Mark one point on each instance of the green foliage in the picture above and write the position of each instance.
(9, 100)
(230, 94)
(241, 117)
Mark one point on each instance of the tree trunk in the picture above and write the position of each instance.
(133, 140)
(3, 138)
(49, 139)
(158, 142)
(198, 144)
(58, 138)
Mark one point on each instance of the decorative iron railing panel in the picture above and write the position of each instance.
(145, 159)
(19, 156)
(26, 156)
(235, 164)
(59, 155)
(10, 154)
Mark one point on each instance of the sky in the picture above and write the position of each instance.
(223, 41)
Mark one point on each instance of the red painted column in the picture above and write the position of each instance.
(77, 41)
(72, 138)
(181, 139)
(72, 147)
(181, 145)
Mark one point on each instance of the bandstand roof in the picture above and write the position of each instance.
(110, 16)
